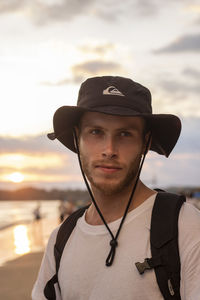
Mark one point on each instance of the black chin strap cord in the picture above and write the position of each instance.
(113, 242)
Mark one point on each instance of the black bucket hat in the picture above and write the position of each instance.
(119, 96)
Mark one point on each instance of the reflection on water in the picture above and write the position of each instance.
(21, 239)
(28, 235)
(25, 238)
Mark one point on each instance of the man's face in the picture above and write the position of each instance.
(110, 150)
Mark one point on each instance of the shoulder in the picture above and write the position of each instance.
(189, 249)
(190, 216)
(189, 227)
(53, 235)
(49, 250)
(52, 238)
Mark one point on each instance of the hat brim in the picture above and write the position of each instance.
(165, 128)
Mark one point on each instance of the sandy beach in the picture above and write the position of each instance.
(18, 276)
(21, 251)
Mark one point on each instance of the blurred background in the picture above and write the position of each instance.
(47, 48)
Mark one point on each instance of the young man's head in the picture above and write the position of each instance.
(113, 115)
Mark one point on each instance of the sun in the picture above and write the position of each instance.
(16, 177)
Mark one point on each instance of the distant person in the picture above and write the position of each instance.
(69, 208)
(62, 210)
(37, 212)
(111, 129)
(65, 208)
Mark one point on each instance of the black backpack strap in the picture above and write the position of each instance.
(164, 245)
(63, 235)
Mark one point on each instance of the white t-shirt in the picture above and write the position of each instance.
(83, 274)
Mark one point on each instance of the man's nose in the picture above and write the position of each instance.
(109, 147)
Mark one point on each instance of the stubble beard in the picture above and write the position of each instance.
(108, 188)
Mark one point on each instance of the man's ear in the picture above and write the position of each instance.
(147, 142)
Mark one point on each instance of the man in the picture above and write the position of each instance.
(112, 128)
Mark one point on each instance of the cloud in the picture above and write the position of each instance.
(43, 12)
(179, 87)
(146, 7)
(174, 171)
(86, 69)
(66, 168)
(63, 11)
(36, 157)
(109, 11)
(94, 67)
(189, 141)
(192, 73)
(181, 96)
(37, 152)
(186, 43)
(11, 5)
(30, 144)
(180, 91)
(114, 11)
(98, 49)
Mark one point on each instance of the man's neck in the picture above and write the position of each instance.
(113, 207)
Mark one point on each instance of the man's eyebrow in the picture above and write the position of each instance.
(124, 128)
(88, 124)
(131, 127)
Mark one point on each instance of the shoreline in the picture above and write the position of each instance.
(15, 224)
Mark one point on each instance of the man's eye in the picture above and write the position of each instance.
(125, 133)
(95, 131)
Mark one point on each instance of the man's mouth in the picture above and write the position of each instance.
(108, 168)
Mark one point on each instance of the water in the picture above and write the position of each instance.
(20, 233)
(13, 212)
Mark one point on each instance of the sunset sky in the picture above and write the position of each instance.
(48, 47)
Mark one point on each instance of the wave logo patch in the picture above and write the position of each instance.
(112, 90)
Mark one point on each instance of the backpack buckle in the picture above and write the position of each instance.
(149, 263)
(143, 266)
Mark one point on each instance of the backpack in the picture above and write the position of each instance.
(163, 239)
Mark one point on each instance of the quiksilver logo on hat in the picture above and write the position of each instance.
(112, 90)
